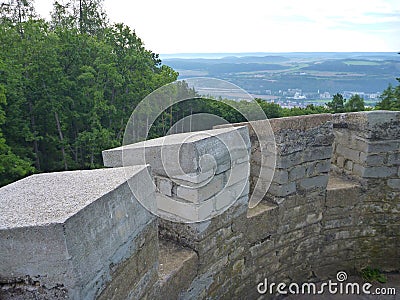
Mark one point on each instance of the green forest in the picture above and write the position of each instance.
(69, 85)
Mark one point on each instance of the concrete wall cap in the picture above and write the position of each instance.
(54, 197)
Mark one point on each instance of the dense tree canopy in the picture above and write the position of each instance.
(355, 103)
(68, 86)
(390, 98)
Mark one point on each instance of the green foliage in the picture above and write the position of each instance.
(372, 275)
(390, 98)
(308, 110)
(355, 103)
(337, 105)
(340, 105)
(12, 167)
(271, 110)
(70, 84)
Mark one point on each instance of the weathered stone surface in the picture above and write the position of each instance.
(70, 228)
(320, 182)
(281, 176)
(374, 172)
(183, 153)
(137, 275)
(231, 194)
(373, 125)
(164, 185)
(311, 231)
(394, 183)
(348, 153)
(282, 190)
(300, 122)
(372, 159)
(180, 210)
(394, 159)
(201, 193)
(178, 266)
(297, 172)
(323, 166)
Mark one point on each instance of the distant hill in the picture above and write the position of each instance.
(311, 72)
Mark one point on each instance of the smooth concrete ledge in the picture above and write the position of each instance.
(65, 230)
(53, 198)
(185, 153)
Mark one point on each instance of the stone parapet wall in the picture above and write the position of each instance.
(316, 218)
(197, 175)
(302, 151)
(367, 145)
(73, 234)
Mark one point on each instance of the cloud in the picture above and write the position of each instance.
(260, 25)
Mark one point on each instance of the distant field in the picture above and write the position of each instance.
(361, 63)
(308, 72)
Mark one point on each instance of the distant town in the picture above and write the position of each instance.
(297, 98)
(296, 79)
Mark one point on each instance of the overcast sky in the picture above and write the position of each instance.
(178, 26)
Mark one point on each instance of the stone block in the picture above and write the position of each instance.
(297, 172)
(372, 159)
(184, 153)
(287, 161)
(280, 176)
(349, 165)
(164, 185)
(340, 162)
(348, 153)
(394, 159)
(374, 172)
(181, 211)
(394, 183)
(230, 194)
(317, 153)
(238, 173)
(323, 166)
(320, 182)
(197, 194)
(282, 190)
(383, 146)
(301, 123)
(310, 169)
(341, 193)
(373, 125)
(67, 228)
(178, 266)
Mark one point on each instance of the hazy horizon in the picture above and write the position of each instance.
(218, 55)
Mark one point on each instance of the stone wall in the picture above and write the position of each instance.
(367, 145)
(318, 215)
(197, 175)
(77, 235)
(302, 150)
(367, 150)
